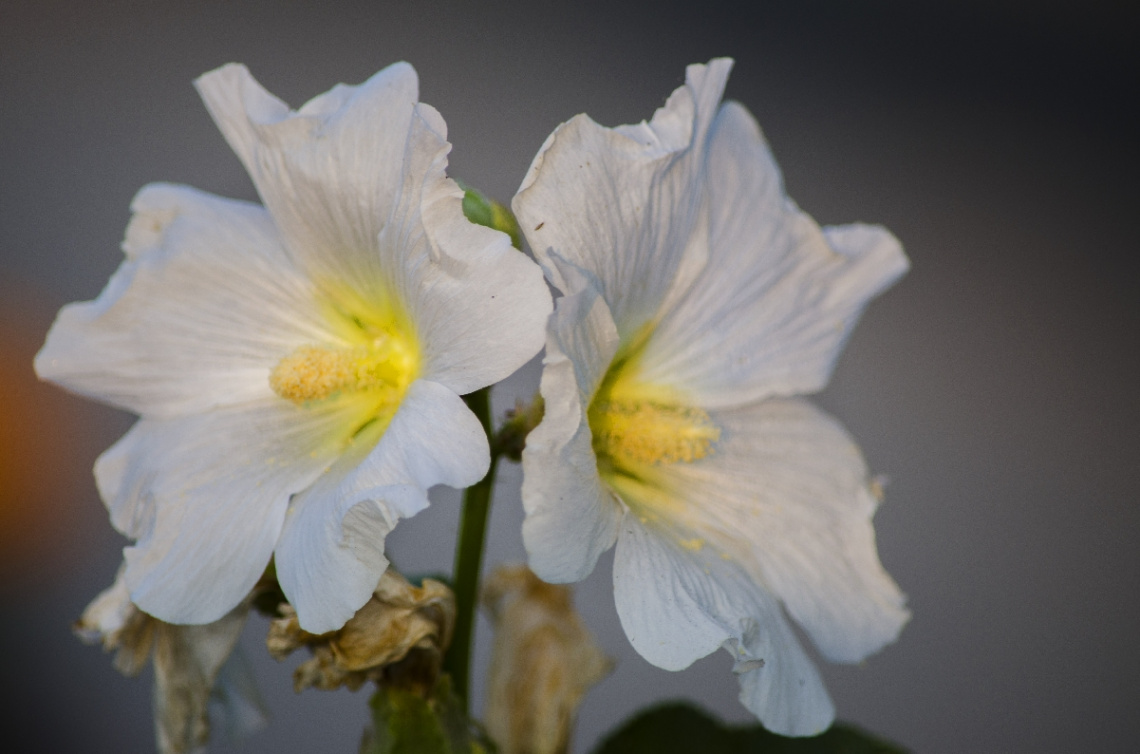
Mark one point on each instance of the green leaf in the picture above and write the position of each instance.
(684, 729)
(404, 722)
(482, 210)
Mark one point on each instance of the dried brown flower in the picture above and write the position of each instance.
(398, 636)
(188, 665)
(543, 661)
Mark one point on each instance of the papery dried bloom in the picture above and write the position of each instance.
(698, 301)
(400, 619)
(192, 664)
(297, 367)
(542, 663)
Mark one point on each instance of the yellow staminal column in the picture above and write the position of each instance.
(373, 375)
(631, 431)
(313, 373)
(639, 428)
(637, 424)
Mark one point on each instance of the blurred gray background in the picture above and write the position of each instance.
(996, 386)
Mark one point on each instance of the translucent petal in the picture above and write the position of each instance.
(331, 553)
(329, 173)
(769, 313)
(677, 606)
(479, 306)
(623, 202)
(778, 682)
(571, 517)
(368, 212)
(666, 605)
(205, 495)
(786, 497)
(196, 316)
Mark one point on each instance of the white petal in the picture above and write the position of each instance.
(355, 180)
(677, 606)
(329, 173)
(770, 312)
(107, 614)
(785, 496)
(122, 477)
(623, 203)
(778, 683)
(331, 553)
(666, 606)
(571, 518)
(205, 496)
(199, 312)
(478, 304)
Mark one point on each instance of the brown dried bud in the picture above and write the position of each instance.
(188, 663)
(542, 662)
(398, 636)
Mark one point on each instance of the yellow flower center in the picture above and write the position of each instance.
(631, 431)
(637, 424)
(314, 373)
(364, 373)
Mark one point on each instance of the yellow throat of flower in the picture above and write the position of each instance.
(636, 424)
(366, 373)
(314, 373)
(630, 431)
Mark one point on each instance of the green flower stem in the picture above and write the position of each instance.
(481, 210)
(469, 556)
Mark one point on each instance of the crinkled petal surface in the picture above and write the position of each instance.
(203, 306)
(193, 665)
(677, 607)
(106, 615)
(479, 306)
(785, 498)
(205, 496)
(771, 310)
(370, 208)
(571, 517)
(335, 530)
(618, 202)
(329, 173)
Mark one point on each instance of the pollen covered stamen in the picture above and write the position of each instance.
(314, 373)
(648, 432)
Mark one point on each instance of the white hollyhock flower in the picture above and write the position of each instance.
(698, 301)
(298, 366)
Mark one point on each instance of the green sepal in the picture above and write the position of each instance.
(483, 210)
(684, 729)
(417, 579)
(510, 440)
(404, 722)
(267, 593)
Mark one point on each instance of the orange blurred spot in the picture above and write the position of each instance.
(48, 442)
